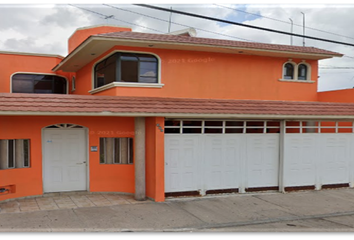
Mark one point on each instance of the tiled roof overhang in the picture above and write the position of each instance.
(75, 105)
(100, 43)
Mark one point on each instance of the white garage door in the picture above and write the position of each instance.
(218, 155)
(317, 157)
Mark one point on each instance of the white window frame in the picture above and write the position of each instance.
(295, 77)
(319, 127)
(242, 127)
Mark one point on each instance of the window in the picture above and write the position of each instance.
(126, 67)
(176, 126)
(319, 127)
(14, 153)
(302, 72)
(73, 83)
(295, 72)
(288, 71)
(38, 83)
(116, 150)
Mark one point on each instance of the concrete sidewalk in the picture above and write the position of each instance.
(325, 210)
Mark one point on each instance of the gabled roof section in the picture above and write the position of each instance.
(100, 43)
(215, 42)
(31, 54)
(78, 105)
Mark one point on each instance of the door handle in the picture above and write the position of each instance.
(80, 163)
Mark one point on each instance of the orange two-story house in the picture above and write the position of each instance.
(161, 114)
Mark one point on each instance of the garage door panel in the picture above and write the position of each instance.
(188, 156)
(181, 163)
(335, 159)
(262, 160)
(311, 159)
(222, 162)
(299, 165)
(216, 155)
(227, 158)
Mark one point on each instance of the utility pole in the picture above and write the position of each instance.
(169, 22)
(303, 28)
(291, 36)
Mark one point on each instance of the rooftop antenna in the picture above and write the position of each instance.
(291, 36)
(108, 17)
(303, 28)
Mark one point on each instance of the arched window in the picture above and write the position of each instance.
(127, 67)
(302, 72)
(288, 72)
(38, 83)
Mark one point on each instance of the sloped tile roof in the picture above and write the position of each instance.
(215, 42)
(62, 104)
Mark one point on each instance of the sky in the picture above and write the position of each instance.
(45, 28)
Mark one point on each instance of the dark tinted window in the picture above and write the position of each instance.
(106, 71)
(38, 83)
(289, 71)
(302, 72)
(126, 67)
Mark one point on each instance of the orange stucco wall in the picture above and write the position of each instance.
(12, 63)
(80, 35)
(345, 95)
(102, 177)
(155, 158)
(187, 74)
(192, 74)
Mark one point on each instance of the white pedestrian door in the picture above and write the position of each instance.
(64, 160)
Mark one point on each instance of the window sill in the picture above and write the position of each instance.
(126, 84)
(298, 81)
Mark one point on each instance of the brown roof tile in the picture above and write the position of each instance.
(214, 42)
(75, 104)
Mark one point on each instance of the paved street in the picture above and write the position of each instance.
(326, 210)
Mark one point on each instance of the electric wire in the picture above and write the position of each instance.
(160, 19)
(241, 24)
(112, 17)
(278, 20)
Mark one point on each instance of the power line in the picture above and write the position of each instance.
(112, 17)
(241, 24)
(160, 19)
(278, 20)
(336, 68)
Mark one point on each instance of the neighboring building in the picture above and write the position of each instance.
(154, 115)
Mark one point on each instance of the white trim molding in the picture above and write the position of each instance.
(183, 115)
(296, 72)
(32, 54)
(297, 81)
(125, 84)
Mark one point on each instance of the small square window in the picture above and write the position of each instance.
(116, 150)
(14, 153)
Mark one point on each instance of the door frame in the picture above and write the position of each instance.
(85, 129)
